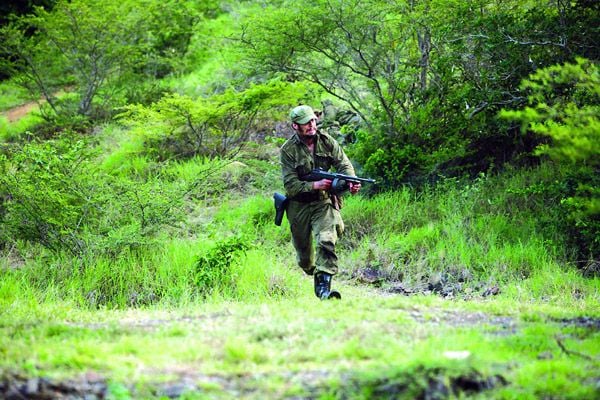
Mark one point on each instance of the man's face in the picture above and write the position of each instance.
(307, 130)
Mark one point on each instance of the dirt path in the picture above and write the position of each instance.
(16, 113)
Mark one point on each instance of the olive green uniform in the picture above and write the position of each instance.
(312, 212)
(339, 124)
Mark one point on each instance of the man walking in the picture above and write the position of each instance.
(312, 209)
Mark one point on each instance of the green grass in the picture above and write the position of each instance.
(164, 277)
(280, 346)
(472, 236)
(12, 95)
(146, 316)
(479, 228)
(122, 152)
(11, 132)
(214, 63)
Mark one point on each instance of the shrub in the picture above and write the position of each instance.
(563, 107)
(213, 269)
(182, 127)
(55, 195)
(96, 50)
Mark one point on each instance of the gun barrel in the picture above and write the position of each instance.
(355, 178)
(316, 175)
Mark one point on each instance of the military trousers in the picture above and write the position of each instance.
(320, 223)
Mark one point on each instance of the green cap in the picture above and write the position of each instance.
(302, 114)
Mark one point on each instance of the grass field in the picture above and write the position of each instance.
(462, 290)
(138, 327)
(372, 344)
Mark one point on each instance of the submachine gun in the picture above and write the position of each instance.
(339, 184)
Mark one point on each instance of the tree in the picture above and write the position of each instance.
(99, 51)
(427, 77)
(355, 50)
(9, 8)
(54, 193)
(564, 106)
(181, 127)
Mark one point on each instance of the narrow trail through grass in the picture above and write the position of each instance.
(16, 113)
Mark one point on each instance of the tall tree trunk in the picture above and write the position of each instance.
(424, 42)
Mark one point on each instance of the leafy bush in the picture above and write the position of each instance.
(181, 127)
(55, 195)
(563, 106)
(426, 78)
(213, 269)
(44, 200)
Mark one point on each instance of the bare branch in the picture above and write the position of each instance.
(571, 352)
(562, 44)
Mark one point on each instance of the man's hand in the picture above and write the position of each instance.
(354, 187)
(323, 184)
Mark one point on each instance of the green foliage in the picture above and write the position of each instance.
(426, 77)
(16, 131)
(104, 53)
(218, 126)
(54, 194)
(346, 47)
(168, 27)
(147, 220)
(564, 104)
(172, 272)
(44, 200)
(212, 62)
(250, 217)
(467, 234)
(213, 269)
(11, 95)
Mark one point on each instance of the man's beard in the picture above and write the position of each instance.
(309, 139)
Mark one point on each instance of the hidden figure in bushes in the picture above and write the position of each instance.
(313, 205)
(337, 123)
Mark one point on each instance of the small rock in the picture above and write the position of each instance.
(436, 389)
(491, 291)
(435, 283)
(400, 289)
(175, 390)
(465, 275)
(456, 355)
(31, 386)
(370, 276)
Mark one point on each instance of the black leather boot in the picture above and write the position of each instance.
(323, 287)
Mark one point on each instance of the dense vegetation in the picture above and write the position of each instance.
(143, 175)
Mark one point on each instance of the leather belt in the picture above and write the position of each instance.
(309, 197)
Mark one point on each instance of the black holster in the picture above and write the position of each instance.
(280, 206)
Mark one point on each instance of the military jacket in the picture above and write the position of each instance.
(297, 161)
